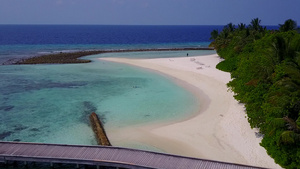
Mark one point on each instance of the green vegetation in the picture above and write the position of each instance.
(265, 68)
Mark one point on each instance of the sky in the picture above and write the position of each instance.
(148, 12)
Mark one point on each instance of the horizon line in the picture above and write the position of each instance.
(22, 24)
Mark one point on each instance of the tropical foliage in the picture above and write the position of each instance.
(265, 68)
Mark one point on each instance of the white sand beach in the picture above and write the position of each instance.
(219, 131)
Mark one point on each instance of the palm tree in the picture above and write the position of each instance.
(280, 47)
(241, 26)
(283, 48)
(290, 135)
(255, 25)
(214, 34)
(288, 25)
(230, 27)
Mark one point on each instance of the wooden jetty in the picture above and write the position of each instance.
(104, 156)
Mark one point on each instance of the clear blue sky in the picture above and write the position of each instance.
(148, 12)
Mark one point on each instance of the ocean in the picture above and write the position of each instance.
(51, 103)
(19, 41)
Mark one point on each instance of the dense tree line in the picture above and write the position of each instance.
(265, 68)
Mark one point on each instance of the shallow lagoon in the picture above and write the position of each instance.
(51, 103)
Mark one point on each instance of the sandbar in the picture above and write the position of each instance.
(218, 131)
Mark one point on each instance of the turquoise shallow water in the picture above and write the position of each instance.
(51, 103)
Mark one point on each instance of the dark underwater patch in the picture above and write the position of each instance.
(5, 134)
(21, 85)
(102, 116)
(88, 108)
(6, 108)
(34, 129)
(20, 128)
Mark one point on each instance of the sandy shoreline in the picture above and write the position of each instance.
(219, 131)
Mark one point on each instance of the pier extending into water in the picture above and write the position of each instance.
(104, 156)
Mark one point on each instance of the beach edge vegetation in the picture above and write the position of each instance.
(265, 70)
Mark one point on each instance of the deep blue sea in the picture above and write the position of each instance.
(17, 41)
(96, 34)
(51, 103)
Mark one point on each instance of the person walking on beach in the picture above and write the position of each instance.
(187, 55)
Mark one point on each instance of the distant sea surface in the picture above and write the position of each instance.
(97, 34)
(51, 103)
(18, 41)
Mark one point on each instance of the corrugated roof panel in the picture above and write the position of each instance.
(113, 155)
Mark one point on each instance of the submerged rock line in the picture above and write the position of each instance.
(99, 131)
(74, 57)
